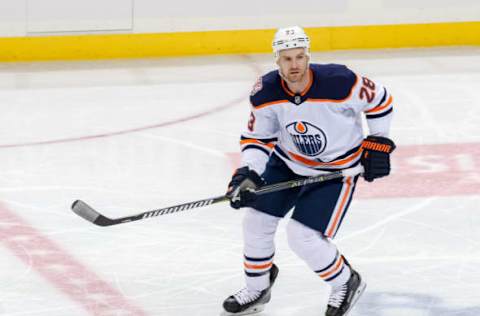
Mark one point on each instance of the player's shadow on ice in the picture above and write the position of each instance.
(386, 303)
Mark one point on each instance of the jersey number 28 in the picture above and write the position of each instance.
(367, 90)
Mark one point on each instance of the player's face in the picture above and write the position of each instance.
(293, 64)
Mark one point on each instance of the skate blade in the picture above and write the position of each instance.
(248, 311)
(357, 295)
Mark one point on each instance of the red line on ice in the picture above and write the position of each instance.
(126, 131)
(61, 269)
(255, 67)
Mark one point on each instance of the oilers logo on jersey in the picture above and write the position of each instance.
(309, 139)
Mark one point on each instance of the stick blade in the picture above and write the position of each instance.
(87, 212)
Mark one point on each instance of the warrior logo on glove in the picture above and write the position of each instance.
(376, 157)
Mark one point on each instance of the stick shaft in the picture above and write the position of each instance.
(87, 212)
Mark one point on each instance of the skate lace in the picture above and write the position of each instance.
(338, 296)
(245, 296)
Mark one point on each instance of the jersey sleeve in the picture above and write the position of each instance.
(376, 102)
(258, 140)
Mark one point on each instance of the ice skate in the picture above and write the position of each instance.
(343, 298)
(246, 302)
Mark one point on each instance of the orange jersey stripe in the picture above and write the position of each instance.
(309, 83)
(261, 106)
(286, 89)
(255, 141)
(314, 163)
(380, 108)
(340, 210)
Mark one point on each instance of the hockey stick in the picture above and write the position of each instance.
(85, 211)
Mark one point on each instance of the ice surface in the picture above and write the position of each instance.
(130, 136)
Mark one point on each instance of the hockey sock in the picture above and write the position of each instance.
(257, 272)
(319, 253)
(336, 273)
(258, 233)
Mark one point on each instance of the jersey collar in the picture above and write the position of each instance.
(304, 92)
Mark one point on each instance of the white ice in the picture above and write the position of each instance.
(419, 255)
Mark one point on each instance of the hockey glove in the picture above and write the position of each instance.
(240, 189)
(376, 157)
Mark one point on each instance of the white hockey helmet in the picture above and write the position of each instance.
(290, 37)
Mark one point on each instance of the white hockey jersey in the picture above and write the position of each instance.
(319, 129)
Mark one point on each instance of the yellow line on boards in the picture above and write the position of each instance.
(106, 46)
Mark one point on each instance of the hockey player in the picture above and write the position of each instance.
(306, 120)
